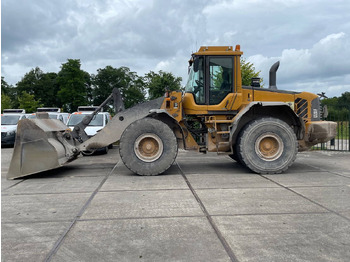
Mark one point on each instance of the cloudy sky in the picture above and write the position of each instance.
(310, 38)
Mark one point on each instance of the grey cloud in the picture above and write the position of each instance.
(160, 35)
(322, 67)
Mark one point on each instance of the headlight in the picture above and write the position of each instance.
(315, 109)
(324, 112)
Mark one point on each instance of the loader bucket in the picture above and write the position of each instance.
(39, 147)
(45, 144)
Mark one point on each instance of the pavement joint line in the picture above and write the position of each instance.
(82, 210)
(138, 218)
(328, 171)
(228, 188)
(272, 214)
(36, 222)
(340, 185)
(204, 216)
(13, 185)
(218, 233)
(45, 193)
(165, 217)
(142, 190)
(301, 195)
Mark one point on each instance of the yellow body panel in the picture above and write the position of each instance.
(219, 50)
(223, 114)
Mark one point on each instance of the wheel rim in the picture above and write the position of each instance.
(148, 147)
(269, 146)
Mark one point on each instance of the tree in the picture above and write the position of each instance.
(29, 83)
(4, 86)
(345, 98)
(49, 86)
(134, 92)
(42, 85)
(27, 102)
(74, 85)
(248, 72)
(8, 95)
(334, 101)
(5, 102)
(338, 107)
(157, 83)
(129, 84)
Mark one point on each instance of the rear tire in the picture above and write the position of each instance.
(236, 158)
(268, 146)
(148, 147)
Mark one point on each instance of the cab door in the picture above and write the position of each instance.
(219, 80)
(210, 85)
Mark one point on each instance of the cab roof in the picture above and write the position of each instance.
(219, 50)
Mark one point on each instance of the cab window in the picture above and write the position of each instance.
(220, 78)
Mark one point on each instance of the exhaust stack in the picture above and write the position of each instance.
(272, 76)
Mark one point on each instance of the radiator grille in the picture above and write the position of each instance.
(301, 107)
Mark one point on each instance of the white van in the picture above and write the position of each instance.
(55, 113)
(99, 121)
(9, 121)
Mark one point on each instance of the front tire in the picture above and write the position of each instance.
(268, 146)
(148, 147)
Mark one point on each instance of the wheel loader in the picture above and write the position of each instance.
(261, 128)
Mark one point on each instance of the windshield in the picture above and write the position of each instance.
(195, 82)
(53, 116)
(9, 119)
(31, 116)
(76, 119)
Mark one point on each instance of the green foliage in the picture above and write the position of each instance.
(133, 92)
(248, 72)
(6, 102)
(343, 129)
(338, 107)
(217, 78)
(157, 83)
(8, 95)
(72, 87)
(42, 85)
(27, 102)
(74, 84)
(344, 99)
(5, 99)
(29, 82)
(4, 86)
(129, 84)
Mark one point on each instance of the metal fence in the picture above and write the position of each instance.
(341, 115)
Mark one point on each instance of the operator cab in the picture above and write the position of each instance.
(211, 74)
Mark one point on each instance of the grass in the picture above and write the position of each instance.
(343, 130)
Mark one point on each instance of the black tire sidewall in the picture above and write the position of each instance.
(152, 126)
(256, 129)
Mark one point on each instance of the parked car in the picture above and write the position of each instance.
(9, 121)
(54, 113)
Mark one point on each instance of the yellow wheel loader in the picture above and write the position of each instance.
(261, 128)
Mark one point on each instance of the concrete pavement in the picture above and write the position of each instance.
(204, 208)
